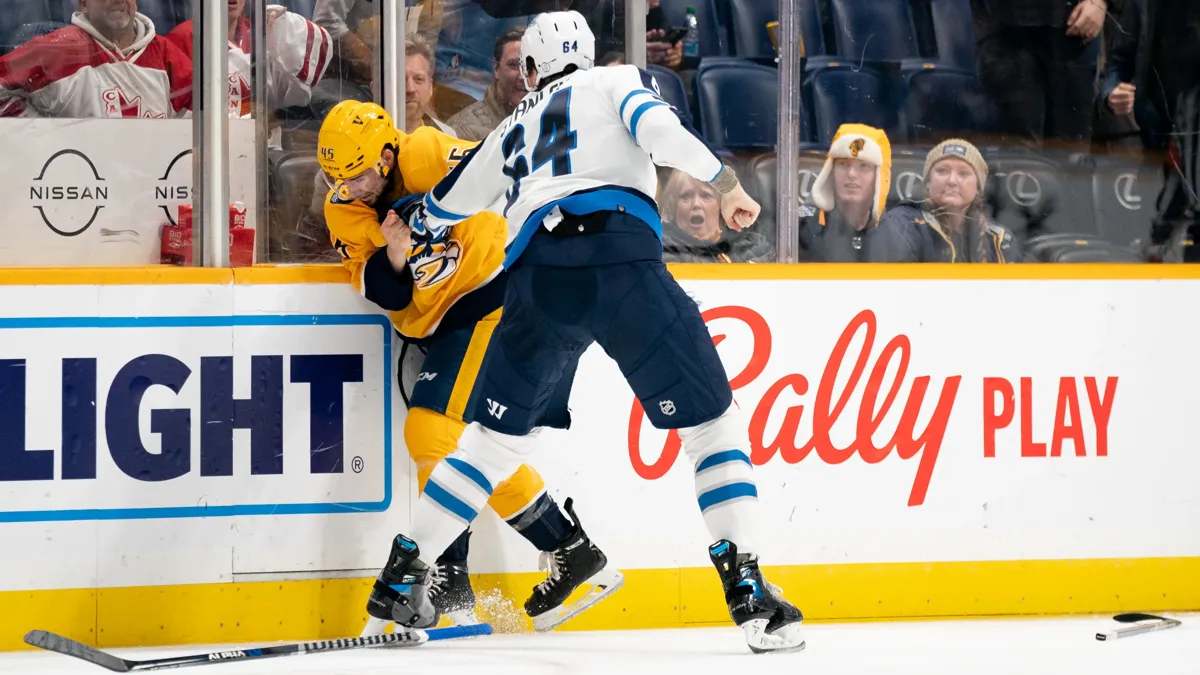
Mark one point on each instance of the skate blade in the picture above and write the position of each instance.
(603, 584)
(785, 639)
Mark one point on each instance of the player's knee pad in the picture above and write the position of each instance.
(496, 455)
(429, 437)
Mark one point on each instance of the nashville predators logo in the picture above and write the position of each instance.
(434, 264)
(856, 146)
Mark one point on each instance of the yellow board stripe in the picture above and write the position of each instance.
(336, 274)
(653, 598)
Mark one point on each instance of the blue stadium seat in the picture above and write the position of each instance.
(29, 31)
(672, 89)
(810, 29)
(943, 102)
(749, 28)
(15, 14)
(874, 30)
(842, 92)
(712, 43)
(954, 33)
(738, 105)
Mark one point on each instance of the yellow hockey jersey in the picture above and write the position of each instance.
(447, 287)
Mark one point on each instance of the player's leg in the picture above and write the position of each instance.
(655, 333)
(458, 487)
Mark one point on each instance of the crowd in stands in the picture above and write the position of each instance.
(932, 130)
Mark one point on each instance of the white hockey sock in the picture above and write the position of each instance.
(461, 484)
(728, 497)
(725, 488)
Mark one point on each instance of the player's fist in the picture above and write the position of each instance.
(398, 236)
(739, 209)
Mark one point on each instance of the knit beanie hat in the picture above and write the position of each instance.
(959, 149)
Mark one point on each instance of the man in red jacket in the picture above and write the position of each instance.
(108, 63)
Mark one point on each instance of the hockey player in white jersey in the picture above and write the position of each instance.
(573, 169)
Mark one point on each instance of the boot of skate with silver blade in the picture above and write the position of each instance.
(769, 623)
(578, 562)
(401, 593)
(451, 593)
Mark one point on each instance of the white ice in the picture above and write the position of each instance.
(979, 647)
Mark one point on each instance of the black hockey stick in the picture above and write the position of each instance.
(410, 638)
(1143, 623)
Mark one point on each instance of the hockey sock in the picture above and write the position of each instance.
(456, 552)
(461, 484)
(728, 497)
(543, 524)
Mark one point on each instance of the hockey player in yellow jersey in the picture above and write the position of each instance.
(445, 299)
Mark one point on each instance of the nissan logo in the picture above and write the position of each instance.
(68, 193)
(1123, 188)
(1023, 188)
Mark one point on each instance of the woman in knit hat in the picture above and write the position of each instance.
(851, 192)
(950, 224)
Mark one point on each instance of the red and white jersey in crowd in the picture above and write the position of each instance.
(75, 72)
(298, 52)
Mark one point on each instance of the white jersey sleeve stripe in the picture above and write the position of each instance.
(637, 115)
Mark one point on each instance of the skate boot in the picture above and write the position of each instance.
(770, 623)
(451, 593)
(401, 593)
(576, 563)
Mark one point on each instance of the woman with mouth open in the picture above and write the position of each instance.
(692, 228)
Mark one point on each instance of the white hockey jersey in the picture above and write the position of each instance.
(75, 72)
(587, 142)
(298, 52)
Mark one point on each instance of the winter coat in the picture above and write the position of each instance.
(908, 233)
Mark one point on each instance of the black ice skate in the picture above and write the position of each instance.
(576, 563)
(451, 593)
(401, 593)
(770, 623)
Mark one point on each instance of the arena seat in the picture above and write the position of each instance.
(874, 30)
(842, 92)
(749, 28)
(1035, 194)
(954, 33)
(16, 14)
(738, 105)
(943, 102)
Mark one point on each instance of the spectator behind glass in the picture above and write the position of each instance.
(354, 27)
(477, 120)
(851, 191)
(692, 231)
(418, 86)
(658, 50)
(298, 52)
(610, 36)
(1037, 63)
(950, 225)
(108, 63)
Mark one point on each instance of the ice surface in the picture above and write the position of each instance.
(980, 647)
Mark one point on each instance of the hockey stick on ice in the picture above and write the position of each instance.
(411, 638)
(1143, 623)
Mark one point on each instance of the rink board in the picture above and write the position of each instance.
(212, 456)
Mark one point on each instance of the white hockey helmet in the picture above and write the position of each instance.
(555, 40)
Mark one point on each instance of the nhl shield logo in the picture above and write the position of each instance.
(667, 407)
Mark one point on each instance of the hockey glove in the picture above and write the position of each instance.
(411, 210)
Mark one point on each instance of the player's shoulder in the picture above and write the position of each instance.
(626, 77)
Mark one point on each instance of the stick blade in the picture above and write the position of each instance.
(56, 643)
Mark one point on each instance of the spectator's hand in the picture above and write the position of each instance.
(399, 240)
(1120, 101)
(739, 209)
(1087, 19)
(674, 56)
(656, 48)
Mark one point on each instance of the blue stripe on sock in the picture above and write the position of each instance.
(721, 458)
(448, 501)
(725, 493)
(470, 472)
